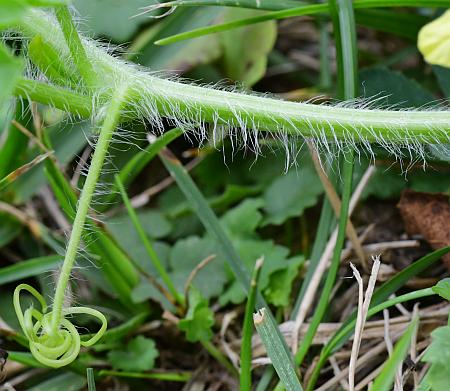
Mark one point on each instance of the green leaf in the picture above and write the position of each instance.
(29, 268)
(275, 259)
(186, 254)
(154, 223)
(241, 223)
(67, 140)
(242, 220)
(199, 319)
(439, 350)
(139, 355)
(291, 194)
(245, 50)
(442, 288)
(438, 355)
(279, 288)
(395, 88)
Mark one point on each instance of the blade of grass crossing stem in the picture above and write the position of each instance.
(385, 379)
(346, 51)
(346, 48)
(277, 350)
(90, 379)
(208, 219)
(265, 5)
(247, 331)
(30, 268)
(381, 294)
(298, 11)
(147, 244)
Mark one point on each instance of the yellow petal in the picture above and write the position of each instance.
(434, 41)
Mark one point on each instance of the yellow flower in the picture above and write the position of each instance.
(434, 41)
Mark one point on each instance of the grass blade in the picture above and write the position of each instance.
(165, 376)
(298, 11)
(266, 5)
(30, 268)
(247, 331)
(147, 244)
(11, 177)
(208, 219)
(277, 350)
(90, 379)
(385, 379)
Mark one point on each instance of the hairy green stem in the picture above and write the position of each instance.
(151, 95)
(106, 132)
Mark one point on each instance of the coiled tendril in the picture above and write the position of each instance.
(53, 348)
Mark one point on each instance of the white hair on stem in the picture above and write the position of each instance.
(355, 124)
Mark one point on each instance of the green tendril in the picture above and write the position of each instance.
(54, 340)
(53, 349)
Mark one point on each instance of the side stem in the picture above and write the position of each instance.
(106, 132)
